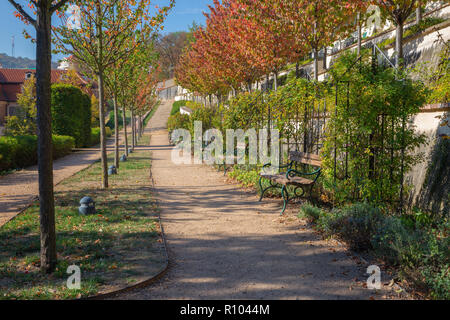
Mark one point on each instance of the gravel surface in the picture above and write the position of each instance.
(224, 244)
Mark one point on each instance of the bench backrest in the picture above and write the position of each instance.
(305, 158)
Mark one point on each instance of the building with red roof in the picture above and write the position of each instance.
(11, 83)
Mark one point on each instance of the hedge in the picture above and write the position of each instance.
(21, 151)
(95, 135)
(71, 113)
(111, 120)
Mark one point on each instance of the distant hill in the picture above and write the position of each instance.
(19, 63)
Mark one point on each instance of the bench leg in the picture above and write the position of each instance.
(285, 195)
(261, 189)
(311, 198)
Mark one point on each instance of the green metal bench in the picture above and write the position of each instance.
(293, 177)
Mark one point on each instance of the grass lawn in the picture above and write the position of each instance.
(118, 246)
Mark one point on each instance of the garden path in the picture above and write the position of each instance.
(224, 244)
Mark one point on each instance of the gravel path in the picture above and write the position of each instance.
(224, 244)
(19, 189)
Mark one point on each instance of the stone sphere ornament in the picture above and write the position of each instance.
(87, 206)
(112, 170)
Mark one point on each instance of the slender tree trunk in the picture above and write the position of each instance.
(140, 127)
(359, 33)
(325, 58)
(275, 80)
(133, 125)
(316, 64)
(116, 133)
(101, 104)
(316, 55)
(297, 70)
(44, 123)
(399, 45)
(101, 107)
(136, 130)
(419, 13)
(125, 126)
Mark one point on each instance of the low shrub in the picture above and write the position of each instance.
(110, 124)
(62, 146)
(248, 178)
(21, 151)
(418, 247)
(178, 121)
(95, 135)
(311, 213)
(176, 107)
(421, 253)
(355, 224)
(423, 25)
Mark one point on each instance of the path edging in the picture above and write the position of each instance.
(150, 280)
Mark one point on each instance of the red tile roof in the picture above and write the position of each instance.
(17, 76)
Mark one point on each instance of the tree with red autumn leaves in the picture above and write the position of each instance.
(313, 24)
(246, 39)
(232, 51)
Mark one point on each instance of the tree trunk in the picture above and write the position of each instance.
(359, 33)
(275, 80)
(133, 136)
(125, 133)
(325, 58)
(316, 64)
(419, 13)
(399, 45)
(101, 108)
(136, 129)
(116, 133)
(101, 103)
(45, 151)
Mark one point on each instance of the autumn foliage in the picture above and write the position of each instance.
(246, 39)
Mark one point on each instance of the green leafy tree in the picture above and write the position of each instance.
(111, 23)
(39, 15)
(25, 122)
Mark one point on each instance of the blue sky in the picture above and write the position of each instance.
(180, 18)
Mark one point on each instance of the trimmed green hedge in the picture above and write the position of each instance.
(110, 123)
(71, 113)
(21, 151)
(95, 135)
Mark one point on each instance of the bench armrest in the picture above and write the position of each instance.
(286, 166)
(293, 173)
